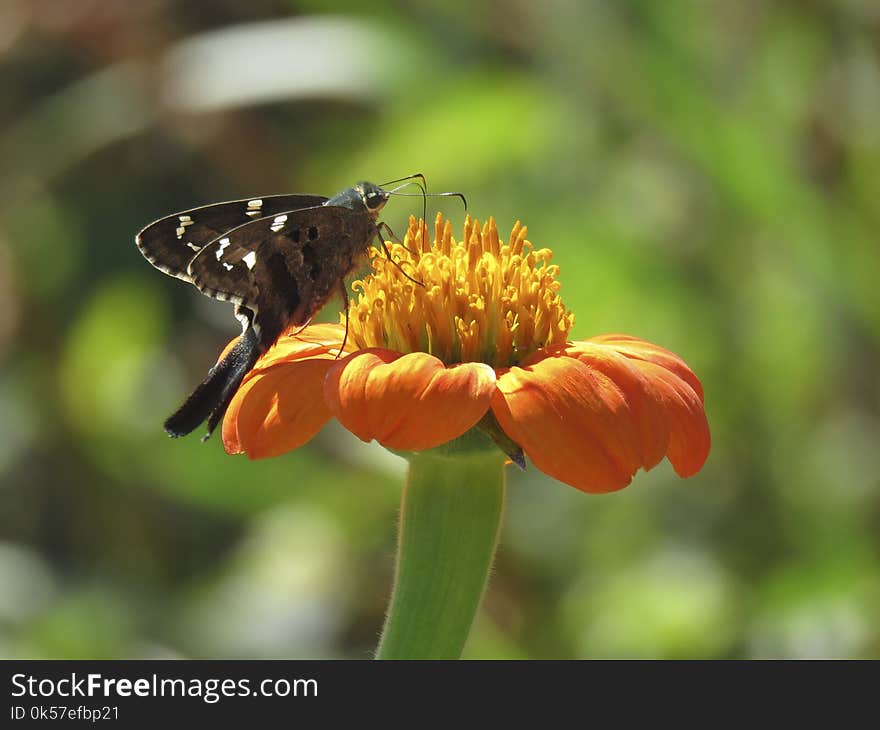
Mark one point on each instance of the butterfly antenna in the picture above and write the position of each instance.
(460, 196)
(424, 194)
(424, 188)
(408, 177)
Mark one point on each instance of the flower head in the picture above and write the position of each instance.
(482, 300)
(483, 340)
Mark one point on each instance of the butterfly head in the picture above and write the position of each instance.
(364, 195)
(373, 197)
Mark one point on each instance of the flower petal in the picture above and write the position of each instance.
(636, 349)
(689, 437)
(665, 397)
(299, 342)
(548, 407)
(278, 408)
(409, 402)
(572, 421)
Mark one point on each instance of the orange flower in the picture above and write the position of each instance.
(484, 343)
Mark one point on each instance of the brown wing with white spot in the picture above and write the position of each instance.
(170, 243)
(280, 268)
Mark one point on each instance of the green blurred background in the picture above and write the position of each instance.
(708, 174)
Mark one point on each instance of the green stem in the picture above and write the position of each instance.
(449, 524)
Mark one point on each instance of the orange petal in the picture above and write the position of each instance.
(636, 349)
(299, 342)
(408, 402)
(665, 397)
(572, 420)
(689, 438)
(646, 410)
(590, 413)
(278, 408)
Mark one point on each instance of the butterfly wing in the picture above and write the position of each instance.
(280, 270)
(170, 243)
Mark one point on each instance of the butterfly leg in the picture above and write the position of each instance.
(391, 258)
(343, 289)
(382, 226)
(294, 334)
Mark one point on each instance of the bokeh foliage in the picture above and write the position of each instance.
(708, 175)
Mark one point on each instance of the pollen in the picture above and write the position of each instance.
(474, 300)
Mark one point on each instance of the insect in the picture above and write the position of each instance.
(278, 259)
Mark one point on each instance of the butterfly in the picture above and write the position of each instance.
(277, 259)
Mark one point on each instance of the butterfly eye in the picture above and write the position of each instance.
(375, 199)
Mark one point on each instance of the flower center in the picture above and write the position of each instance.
(482, 300)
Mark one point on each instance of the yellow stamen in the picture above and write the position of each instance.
(482, 300)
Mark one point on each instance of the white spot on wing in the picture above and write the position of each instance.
(278, 223)
(226, 266)
(185, 221)
(193, 246)
(224, 243)
(254, 207)
(250, 259)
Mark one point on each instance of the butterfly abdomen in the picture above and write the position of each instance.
(212, 396)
